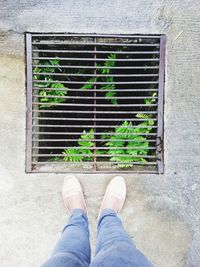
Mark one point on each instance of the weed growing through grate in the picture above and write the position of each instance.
(127, 151)
(111, 94)
(47, 102)
(78, 154)
(137, 144)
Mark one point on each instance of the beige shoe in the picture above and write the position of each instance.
(73, 194)
(115, 195)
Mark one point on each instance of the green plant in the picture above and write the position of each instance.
(49, 98)
(120, 150)
(72, 155)
(111, 94)
(89, 84)
(130, 151)
(85, 143)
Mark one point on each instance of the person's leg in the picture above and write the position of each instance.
(73, 247)
(114, 247)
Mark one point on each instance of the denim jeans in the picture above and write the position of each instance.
(113, 248)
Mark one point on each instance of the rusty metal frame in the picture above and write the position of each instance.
(160, 130)
(29, 111)
(160, 113)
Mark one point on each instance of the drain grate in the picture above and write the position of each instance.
(95, 103)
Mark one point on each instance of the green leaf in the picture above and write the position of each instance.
(49, 102)
(89, 84)
(54, 62)
(71, 157)
(85, 142)
(110, 96)
(143, 116)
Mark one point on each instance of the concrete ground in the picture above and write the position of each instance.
(154, 215)
(162, 212)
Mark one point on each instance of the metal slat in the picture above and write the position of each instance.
(91, 119)
(92, 67)
(95, 90)
(97, 105)
(101, 148)
(96, 155)
(97, 112)
(100, 140)
(88, 97)
(97, 59)
(102, 133)
(98, 162)
(94, 75)
(97, 52)
(98, 44)
(90, 126)
(85, 82)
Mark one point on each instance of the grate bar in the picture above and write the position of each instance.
(93, 148)
(98, 105)
(90, 126)
(98, 162)
(97, 52)
(99, 67)
(97, 112)
(93, 43)
(97, 59)
(100, 140)
(97, 90)
(103, 162)
(85, 82)
(91, 119)
(96, 75)
(94, 155)
(102, 133)
(87, 97)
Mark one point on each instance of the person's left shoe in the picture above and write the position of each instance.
(72, 193)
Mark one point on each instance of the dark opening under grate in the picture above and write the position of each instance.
(95, 103)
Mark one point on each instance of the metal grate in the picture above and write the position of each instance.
(95, 103)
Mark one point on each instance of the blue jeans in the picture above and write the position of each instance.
(113, 248)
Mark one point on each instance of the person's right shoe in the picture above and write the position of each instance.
(115, 195)
(72, 193)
